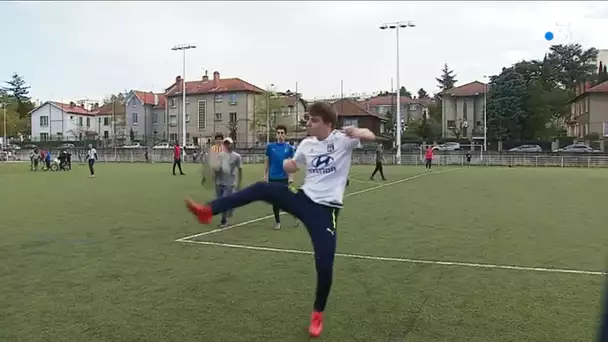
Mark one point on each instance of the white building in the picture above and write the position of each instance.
(60, 121)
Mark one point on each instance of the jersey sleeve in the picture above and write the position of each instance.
(350, 143)
(299, 155)
(268, 150)
(239, 161)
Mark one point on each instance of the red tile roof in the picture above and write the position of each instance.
(71, 110)
(148, 98)
(469, 89)
(209, 86)
(586, 89)
(350, 108)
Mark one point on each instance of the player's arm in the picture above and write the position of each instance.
(362, 134)
(291, 165)
(291, 155)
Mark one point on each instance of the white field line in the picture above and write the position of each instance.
(405, 260)
(355, 193)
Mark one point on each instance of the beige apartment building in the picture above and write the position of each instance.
(462, 110)
(589, 111)
(225, 105)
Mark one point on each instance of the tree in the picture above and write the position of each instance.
(266, 108)
(18, 92)
(447, 80)
(422, 94)
(572, 63)
(602, 73)
(404, 92)
(507, 104)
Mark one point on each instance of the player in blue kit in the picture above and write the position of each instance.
(276, 153)
(326, 157)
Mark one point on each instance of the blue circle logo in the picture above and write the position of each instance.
(549, 35)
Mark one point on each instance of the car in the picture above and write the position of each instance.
(162, 146)
(448, 146)
(134, 145)
(576, 148)
(526, 148)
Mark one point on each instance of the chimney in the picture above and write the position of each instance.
(156, 99)
(216, 78)
(72, 104)
(96, 106)
(82, 105)
(205, 77)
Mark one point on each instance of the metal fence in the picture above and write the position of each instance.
(254, 157)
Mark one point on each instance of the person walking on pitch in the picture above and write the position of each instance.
(379, 161)
(326, 157)
(276, 153)
(91, 158)
(177, 158)
(428, 158)
(226, 175)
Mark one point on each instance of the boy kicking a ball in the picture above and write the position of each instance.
(326, 157)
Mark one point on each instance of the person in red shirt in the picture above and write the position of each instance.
(428, 158)
(177, 158)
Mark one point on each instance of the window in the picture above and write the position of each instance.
(233, 117)
(451, 124)
(44, 136)
(154, 118)
(218, 116)
(172, 102)
(187, 100)
(350, 122)
(106, 134)
(381, 127)
(187, 118)
(106, 121)
(195, 141)
(172, 136)
(134, 102)
(173, 120)
(606, 128)
(135, 118)
(413, 106)
(44, 121)
(202, 115)
(88, 122)
(232, 99)
(80, 121)
(219, 98)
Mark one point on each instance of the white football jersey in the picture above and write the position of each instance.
(327, 163)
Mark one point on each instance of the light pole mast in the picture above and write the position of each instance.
(183, 48)
(396, 26)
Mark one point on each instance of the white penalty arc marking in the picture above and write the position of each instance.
(405, 260)
(355, 193)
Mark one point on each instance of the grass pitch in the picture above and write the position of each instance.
(96, 259)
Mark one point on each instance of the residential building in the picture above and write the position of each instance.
(589, 111)
(146, 116)
(225, 105)
(71, 122)
(353, 113)
(291, 112)
(411, 109)
(462, 110)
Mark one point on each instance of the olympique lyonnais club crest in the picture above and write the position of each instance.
(330, 147)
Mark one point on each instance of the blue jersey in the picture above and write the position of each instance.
(277, 152)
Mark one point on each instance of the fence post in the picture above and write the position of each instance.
(562, 161)
(536, 161)
(588, 161)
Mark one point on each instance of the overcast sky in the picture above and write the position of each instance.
(71, 51)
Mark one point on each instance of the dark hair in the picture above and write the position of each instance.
(282, 127)
(325, 111)
(218, 136)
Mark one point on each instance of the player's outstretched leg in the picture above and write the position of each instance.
(261, 191)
